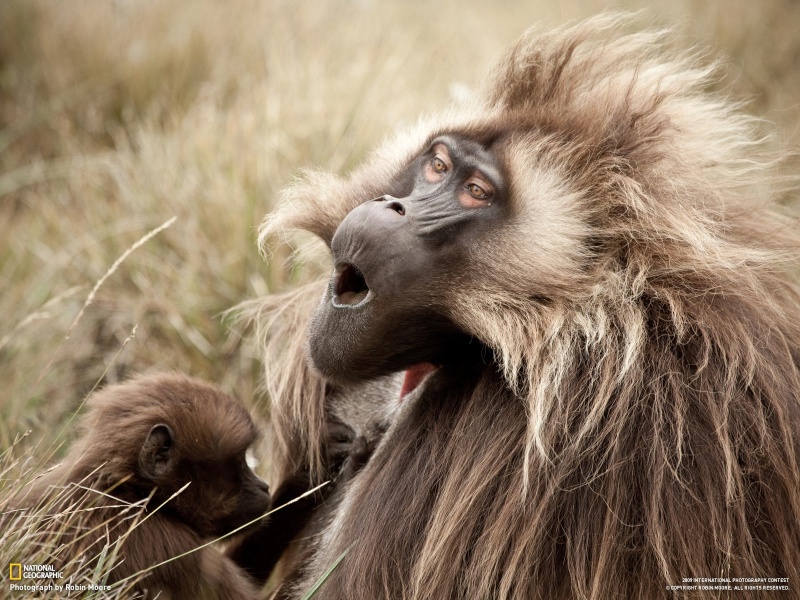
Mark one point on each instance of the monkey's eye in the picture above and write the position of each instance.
(435, 169)
(477, 191)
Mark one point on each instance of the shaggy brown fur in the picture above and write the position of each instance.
(639, 422)
(102, 475)
(304, 404)
(304, 453)
(356, 419)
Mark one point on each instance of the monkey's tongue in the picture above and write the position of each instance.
(414, 376)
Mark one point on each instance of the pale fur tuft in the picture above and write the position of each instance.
(295, 390)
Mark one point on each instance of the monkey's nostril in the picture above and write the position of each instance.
(397, 207)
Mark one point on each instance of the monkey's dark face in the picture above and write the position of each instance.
(228, 492)
(223, 493)
(393, 255)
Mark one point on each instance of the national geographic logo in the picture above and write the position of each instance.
(19, 571)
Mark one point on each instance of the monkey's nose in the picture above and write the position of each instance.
(262, 485)
(397, 207)
(392, 204)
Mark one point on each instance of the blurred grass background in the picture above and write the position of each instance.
(118, 115)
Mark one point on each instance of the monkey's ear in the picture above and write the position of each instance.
(155, 458)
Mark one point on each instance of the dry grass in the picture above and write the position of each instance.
(51, 532)
(117, 116)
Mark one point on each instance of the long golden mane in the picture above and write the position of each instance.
(642, 424)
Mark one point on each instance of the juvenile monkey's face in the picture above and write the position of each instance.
(200, 470)
(243, 495)
(223, 494)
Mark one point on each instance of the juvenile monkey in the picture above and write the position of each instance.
(144, 441)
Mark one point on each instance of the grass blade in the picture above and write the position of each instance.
(318, 584)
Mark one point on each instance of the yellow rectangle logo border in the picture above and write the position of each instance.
(11, 571)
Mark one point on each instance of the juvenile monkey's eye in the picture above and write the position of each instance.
(438, 165)
(477, 191)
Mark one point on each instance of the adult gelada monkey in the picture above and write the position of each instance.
(588, 255)
(144, 441)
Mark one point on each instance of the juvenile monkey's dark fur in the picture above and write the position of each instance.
(141, 442)
(633, 416)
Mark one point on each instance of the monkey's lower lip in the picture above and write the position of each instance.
(350, 289)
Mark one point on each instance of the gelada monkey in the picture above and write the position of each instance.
(142, 442)
(590, 257)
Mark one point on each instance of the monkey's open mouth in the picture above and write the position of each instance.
(349, 286)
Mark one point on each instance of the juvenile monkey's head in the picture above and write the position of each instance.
(164, 431)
